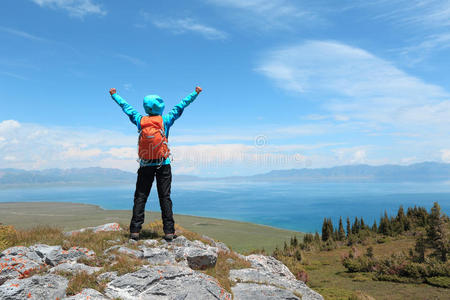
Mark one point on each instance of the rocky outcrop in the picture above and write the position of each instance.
(166, 282)
(101, 228)
(19, 262)
(37, 287)
(170, 271)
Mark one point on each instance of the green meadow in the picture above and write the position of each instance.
(240, 236)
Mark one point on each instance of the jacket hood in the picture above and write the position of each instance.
(153, 105)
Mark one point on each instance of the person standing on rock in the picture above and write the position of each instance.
(154, 160)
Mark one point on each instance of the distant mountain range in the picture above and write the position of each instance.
(427, 171)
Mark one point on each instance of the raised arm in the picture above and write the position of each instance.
(134, 115)
(178, 109)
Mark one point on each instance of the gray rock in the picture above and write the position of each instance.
(253, 291)
(16, 267)
(53, 255)
(16, 251)
(250, 275)
(200, 259)
(37, 287)
(115, 247)
(130, 252)
(101, 228)
(199, 244)
(166, 282)
(150, 243)
(213, 242)
(271, 265)
(108, 276)
(222, 247)
(181, 241)
(89, 294)
(74, 267)
(158, 256)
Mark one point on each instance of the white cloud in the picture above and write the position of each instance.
(184, 25)
(353, 155)
(435, 13)
(445, 155)
(131, 59)
(358, 85)
(123, 152)
(75, 8)
(22, 34)
(32, 146)
(266, 14)
(13, 75)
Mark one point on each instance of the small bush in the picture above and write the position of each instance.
(439, 281)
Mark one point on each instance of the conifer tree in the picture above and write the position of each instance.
(437, 235)
(349, 230)
(341, 232)
(374, 226)
(419, 248)
(316, 237)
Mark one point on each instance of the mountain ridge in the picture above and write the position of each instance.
(425, 171)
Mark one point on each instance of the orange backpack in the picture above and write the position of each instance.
(152, 140)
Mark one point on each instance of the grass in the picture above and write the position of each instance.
(222, 269)
(240, 236)
(328, 276)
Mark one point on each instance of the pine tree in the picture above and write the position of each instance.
(385, 225)
(349, 230)
(327, 230)
(374, 226)
(363, 226)
(294, 242)
(419, 248)
(341, 232)
(325, 235)
(330, 226)
(437, 235)
(355, 227)
(316, 237)
(308, 238)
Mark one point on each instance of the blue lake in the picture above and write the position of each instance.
(296, 206)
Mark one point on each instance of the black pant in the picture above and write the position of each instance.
(143, 185)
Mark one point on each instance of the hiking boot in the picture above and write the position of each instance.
(169, 237)
(134, 236)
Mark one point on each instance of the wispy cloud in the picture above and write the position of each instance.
(188, 25)
(131, 59)
(266, 14)
(75, 8)
(359, 86)
(22, 34)
(427, 46)
(9, 74)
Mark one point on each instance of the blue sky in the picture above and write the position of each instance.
(287, 84)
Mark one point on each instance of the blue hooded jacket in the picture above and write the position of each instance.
(154, 105)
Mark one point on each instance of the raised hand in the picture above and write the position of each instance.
(198, 89)
(112, 91)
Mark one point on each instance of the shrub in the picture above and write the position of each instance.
(439, 281)
(7, 237)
